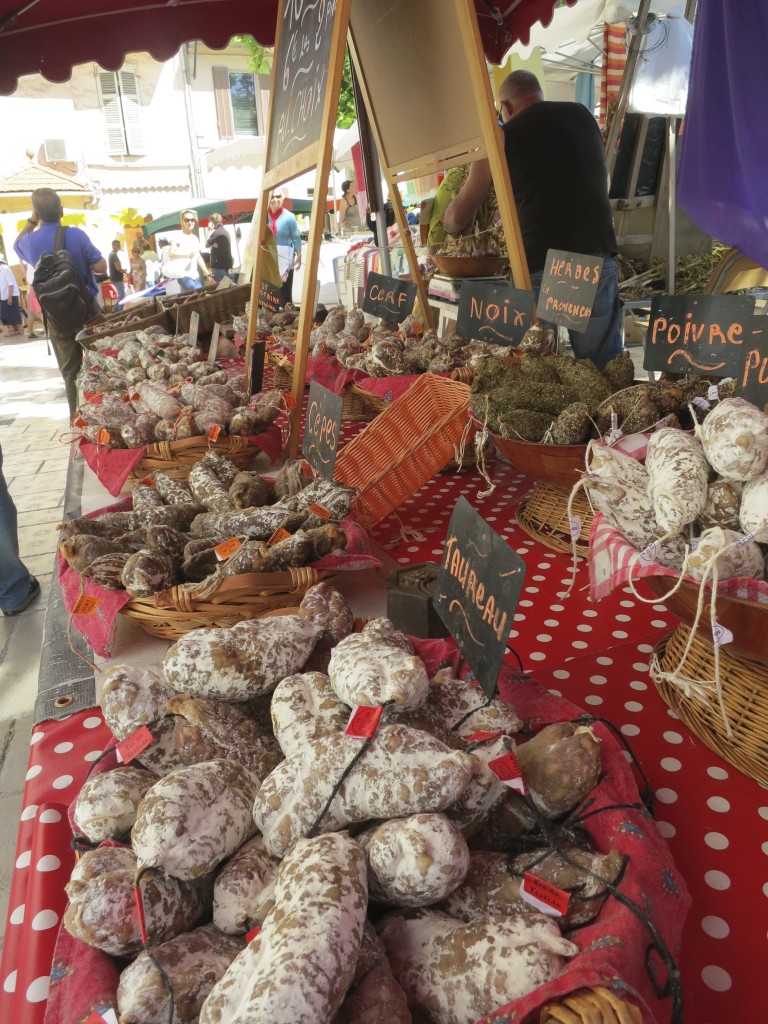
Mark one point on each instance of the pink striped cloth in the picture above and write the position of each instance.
(611, 557)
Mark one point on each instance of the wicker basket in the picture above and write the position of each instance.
(544, 516)
(176, 458)
(218, 306)
(555, 464)
(405, 446)
(747, 620)
(471, 266)
(591, 1006)
(745, 696)
(174, 612)
(139, 318)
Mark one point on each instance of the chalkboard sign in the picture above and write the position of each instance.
(477, 591)
(568, 289)
(493, 312)
(752, 378)
(388, 297)
(697, 334)
(322, 429)
(269, 296)
(301, 78)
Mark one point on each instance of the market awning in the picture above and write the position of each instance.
(49, 37)
(233, 211)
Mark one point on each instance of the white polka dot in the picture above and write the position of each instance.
(667, 796)
(544, 638)
(718, 804)
(645, 648)
(92, 755)
(29, 812)
(584, 627)
(526, 604)
(38, 990)
(44, 920)
(714, 772)
(630, 730)
(658, 623)
(537, 656)
(660, 608)
(627, 756)
(544, 565)
(593, 699)
(715, 927)
(716, 841)
(623, 618)
(589, 613)
(673, 737)
(633, 705)
(637, 684)
(94, 722)
(620, 634)
(50, 862)
(519, 617)
(580, 644)
(9, 985)
(24, 859)
(764, 848)
(763, 812)
(33, 772)
(604, 660)
(62, 781)
(671, 714)
(531, 590)
(50, 816)
(17, 915)
(627, 604)
(671, 764)
(538, 579)
(640, 666)
(717, 880)
(561, 673)
(63, 748)
(556, 608)
(403, 561)
(667, 830)
(36, 737)
(598, 680)
(555, 693)
(552, 623)
(716, 978)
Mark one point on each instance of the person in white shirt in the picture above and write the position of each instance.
(10, 312)
(183, 259)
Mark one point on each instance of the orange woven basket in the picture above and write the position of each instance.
(414, 438)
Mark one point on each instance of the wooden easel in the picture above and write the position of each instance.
(426, 91)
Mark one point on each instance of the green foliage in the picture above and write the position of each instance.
(260, 62)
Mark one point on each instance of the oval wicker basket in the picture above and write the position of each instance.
(172, 613)
(138, 319)
(176, 458)
(747, 620)
(471, 266)
(745, 697)
(555, 464)
(217, 305)
(544, 516)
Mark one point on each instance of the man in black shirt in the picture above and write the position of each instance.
(557, 168)
(116, 272)
(221, 248)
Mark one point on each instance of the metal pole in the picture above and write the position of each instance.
(626, 83)
(671, 201)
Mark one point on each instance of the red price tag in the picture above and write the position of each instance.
(252, 933)
(279, 534)
(290, 401)
(133, 745)
(127, 399)
(140, 911)
(481, 737)
(213, 433)
(85, 605)
(108, 1017)
(136, 397)
(103, 436)
(319, 510)
(507, 770)
(364, 721)
(544, 896)
(79, 422)
(307, 470)
(226, 548)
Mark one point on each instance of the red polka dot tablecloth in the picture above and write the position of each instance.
(597, 656)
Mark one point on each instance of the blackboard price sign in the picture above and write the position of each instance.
(301, 78)
(388, 297)
(568, 289)
(269, 296)
(697, 334)
(496, 313)
(752, 378)
(322, 429)
(477, 591)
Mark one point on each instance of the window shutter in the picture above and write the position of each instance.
(110, 101)
(131, 109)
(223, 103)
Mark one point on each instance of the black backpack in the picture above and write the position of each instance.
(65, 299)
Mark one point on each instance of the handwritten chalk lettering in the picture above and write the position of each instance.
(321, 427)
(576, 271)
(459, 567)
(701, 334)
(493, 311)
(388, 297)
(568, 288)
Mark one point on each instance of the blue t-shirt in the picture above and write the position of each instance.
(82, 250)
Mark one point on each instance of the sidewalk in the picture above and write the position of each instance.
(33, 416)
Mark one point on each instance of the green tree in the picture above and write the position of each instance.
(260, 62)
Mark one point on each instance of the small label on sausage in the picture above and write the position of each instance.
(364, 721)
(280, 534)
(307, 470)
(103, 436)
(213, 433)
(252, 933)
(507, 770)
(544, 896)
(226, 548)
(85, 605)
(721, 635)
(575, 524)
(319, 510)
(649, 554)
(132, 745)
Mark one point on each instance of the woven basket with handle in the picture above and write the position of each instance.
(217, 306)
(176, 458)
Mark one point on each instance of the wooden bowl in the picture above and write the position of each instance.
(747, 620)
(471, 266)
(555, 464)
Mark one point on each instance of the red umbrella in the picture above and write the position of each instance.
(50, 36)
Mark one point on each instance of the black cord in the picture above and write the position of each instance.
(480, 707)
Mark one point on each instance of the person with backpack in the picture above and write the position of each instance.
(65, 261)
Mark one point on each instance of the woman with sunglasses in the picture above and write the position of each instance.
(183, 259)
(283, 226)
